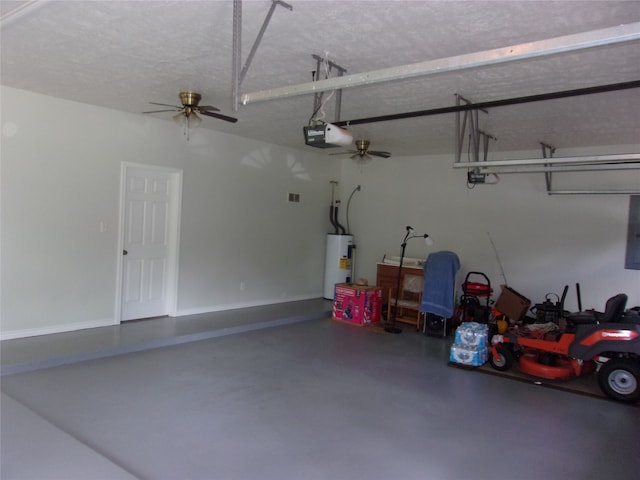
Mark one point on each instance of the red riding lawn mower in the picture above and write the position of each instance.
(607, 343)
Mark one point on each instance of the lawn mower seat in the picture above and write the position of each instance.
(613, 311)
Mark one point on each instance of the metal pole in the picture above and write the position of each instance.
(237, 52)
(237, 73)
(525, 51)
(496, 103)
(586, 160)
(393, 328)
(561, 168)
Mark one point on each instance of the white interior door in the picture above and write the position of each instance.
(149, 242)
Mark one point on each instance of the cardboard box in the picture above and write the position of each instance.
(512, 304)
(356, 304)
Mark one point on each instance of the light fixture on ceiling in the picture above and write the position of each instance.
(187, 115)
(188, 118)
(362, 155)
(361, 158)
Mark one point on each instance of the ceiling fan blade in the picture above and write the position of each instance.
(167, 105)
(350, 152)
(379, 154)
(208, 108)
(220, 116)
(158, 111)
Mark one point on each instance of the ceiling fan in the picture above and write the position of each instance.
(188, 113)
(362, 154)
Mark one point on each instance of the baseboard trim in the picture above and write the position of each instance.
(68, 327)
(71, 327)
(234, 306)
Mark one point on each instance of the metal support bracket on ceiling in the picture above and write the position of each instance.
(475, 134)
(525, 51)
(317, 98)
(548, 176)
(596, 192)
(626, 158)
(237, 72)
(547, 152)
(511, 168)
(477, 139)
(478, 168)
(548, 165)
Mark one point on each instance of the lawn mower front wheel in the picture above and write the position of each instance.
(620, 379)
(504, 359)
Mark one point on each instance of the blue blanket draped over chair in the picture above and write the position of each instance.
(439, 283)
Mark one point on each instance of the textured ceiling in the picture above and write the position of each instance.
(122, 55)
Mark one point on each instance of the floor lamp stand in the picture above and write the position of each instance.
(392, 328)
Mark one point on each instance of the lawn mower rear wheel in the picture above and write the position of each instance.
(619, 378)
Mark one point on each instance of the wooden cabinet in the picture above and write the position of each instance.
(387, 280)
(387, 277)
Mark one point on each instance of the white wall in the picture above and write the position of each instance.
(544, 242)
(60, 178)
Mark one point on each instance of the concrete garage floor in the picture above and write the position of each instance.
(283, 392)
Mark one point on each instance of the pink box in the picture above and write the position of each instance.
(356, 304)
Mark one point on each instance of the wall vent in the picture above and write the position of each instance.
(293, 197)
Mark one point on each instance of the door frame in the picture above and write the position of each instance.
(176, 175)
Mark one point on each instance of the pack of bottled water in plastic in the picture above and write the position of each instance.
(470, 346)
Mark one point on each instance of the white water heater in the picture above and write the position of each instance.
(337, 267)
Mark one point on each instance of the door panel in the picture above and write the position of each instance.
(147, 227)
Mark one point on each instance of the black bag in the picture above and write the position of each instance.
(548, 311)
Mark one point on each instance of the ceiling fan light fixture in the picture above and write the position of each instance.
(362, 145)
(187, 116)
(193, 120)
(180, 118)
(361, 158)
(188, 119)
(190, 98)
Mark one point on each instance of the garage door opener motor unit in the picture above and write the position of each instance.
(327, 135)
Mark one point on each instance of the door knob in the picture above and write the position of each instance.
(124, 252)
